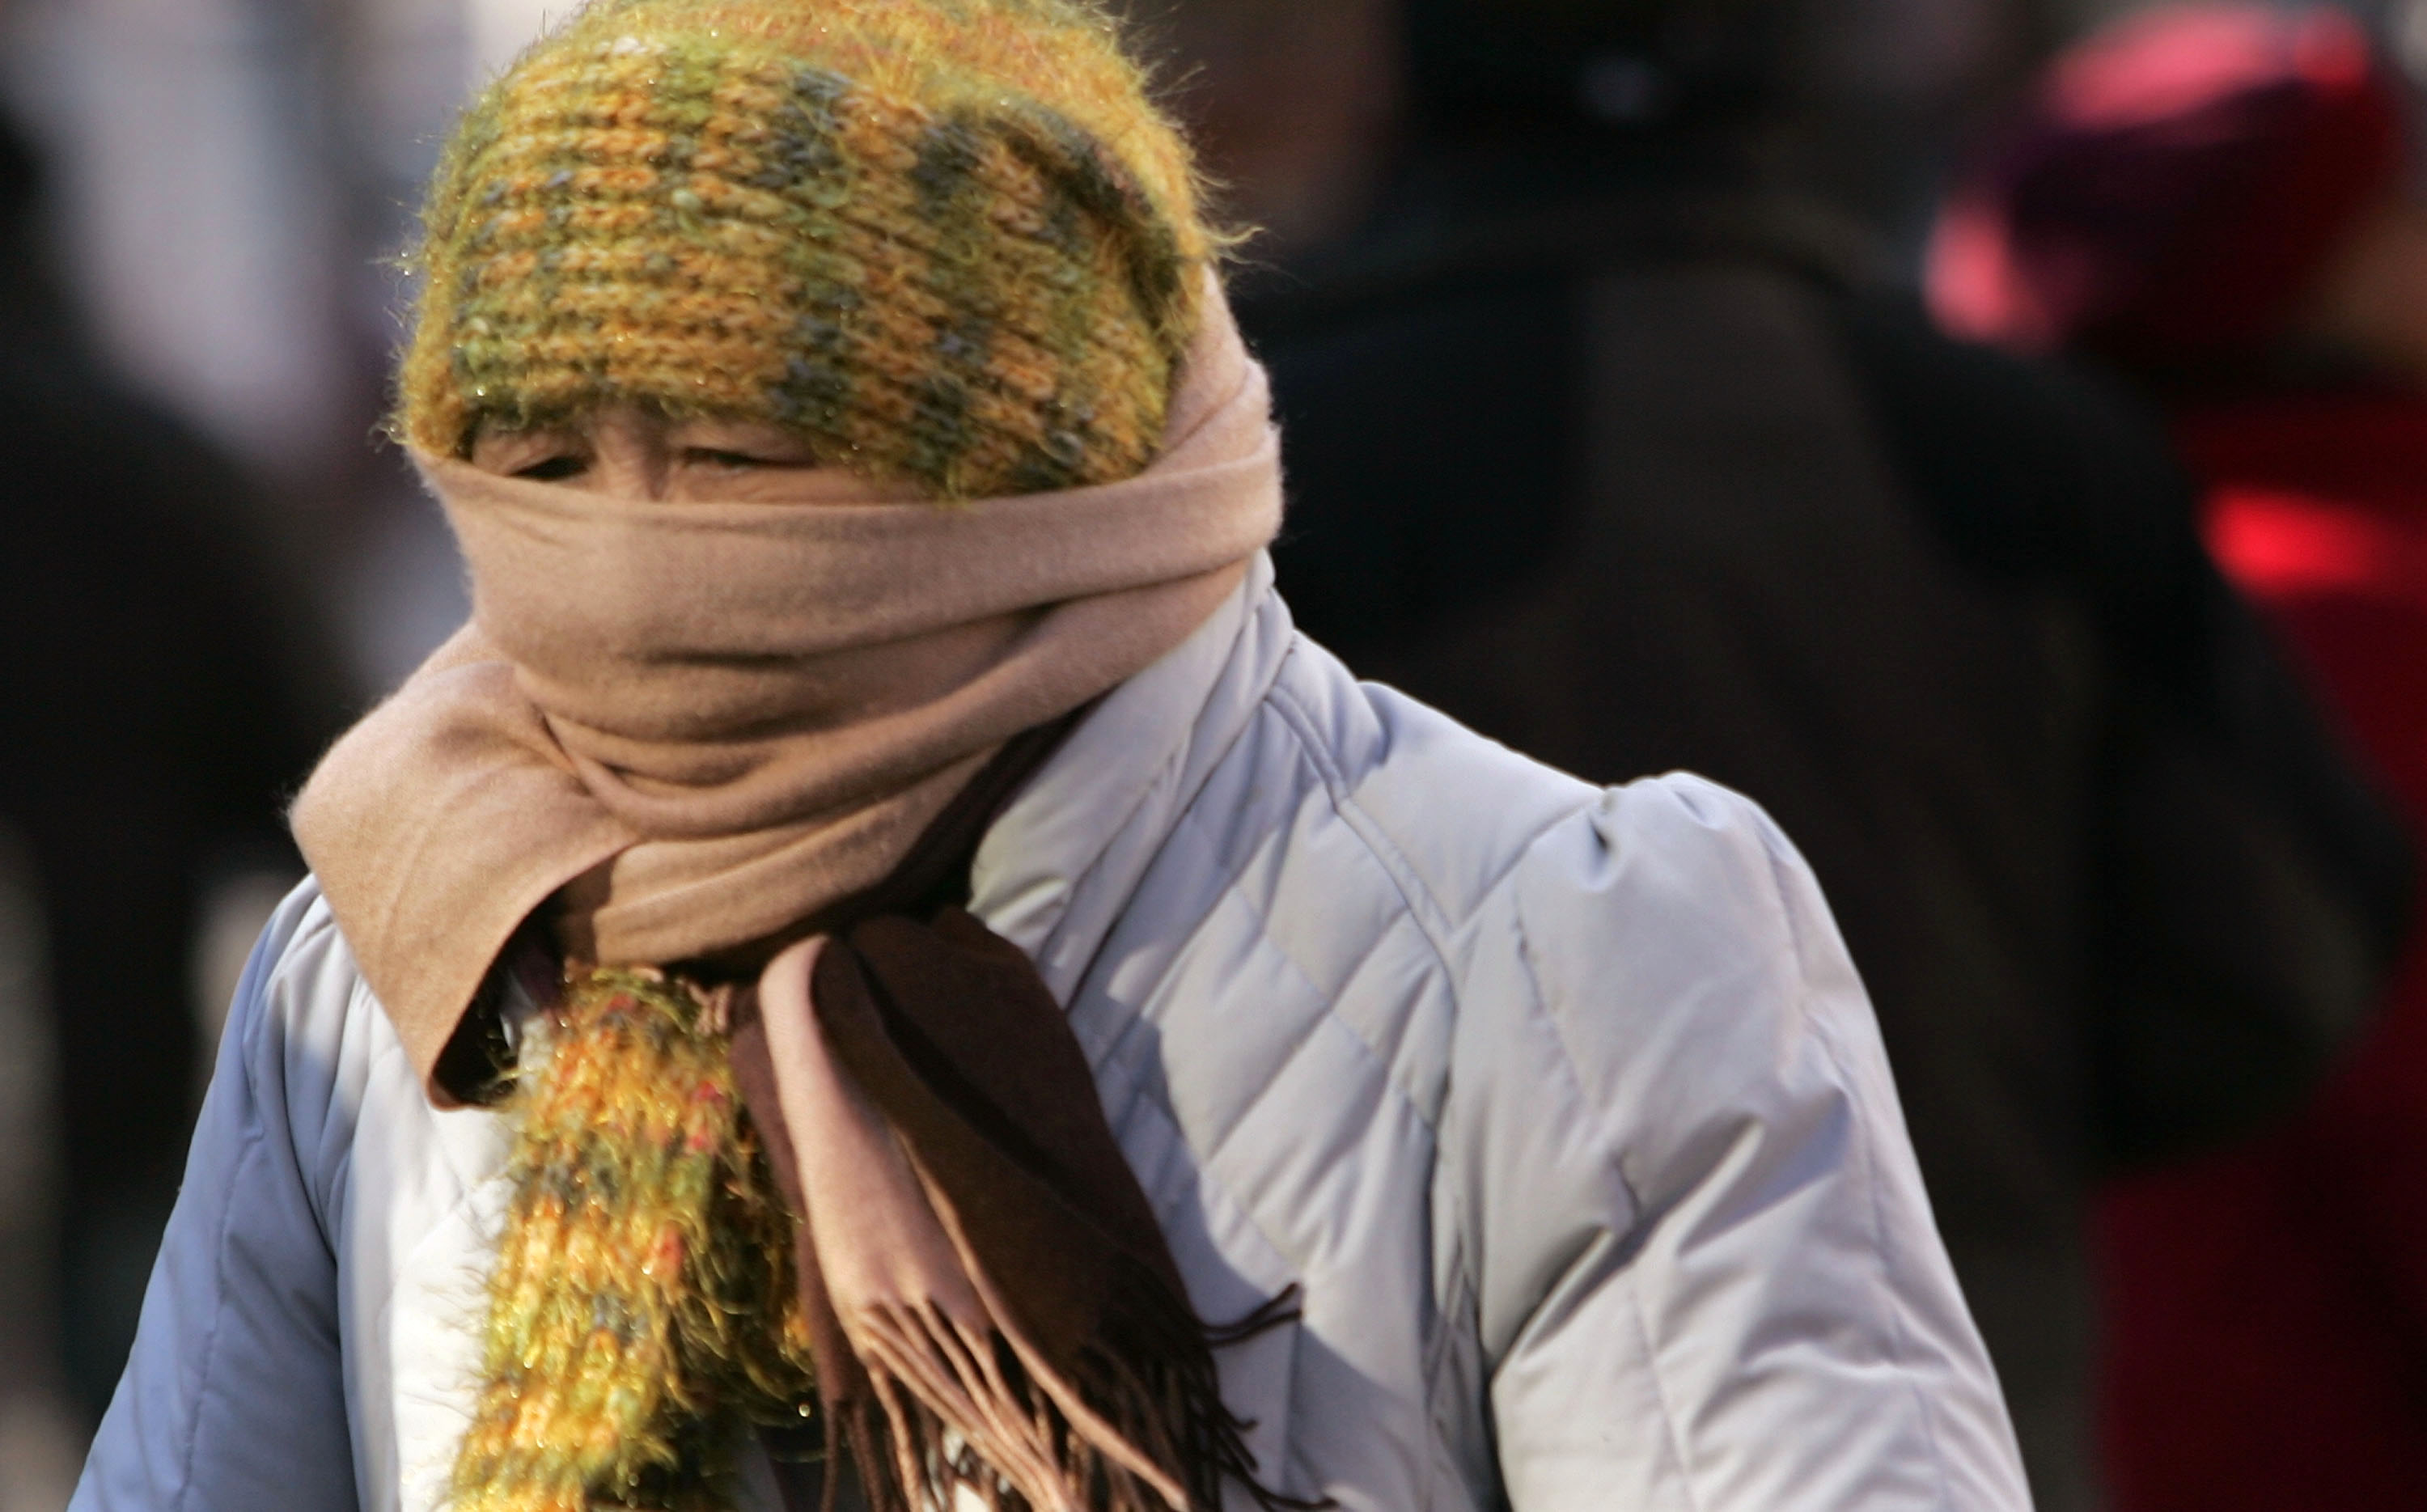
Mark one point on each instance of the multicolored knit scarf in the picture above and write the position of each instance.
(643, 1314)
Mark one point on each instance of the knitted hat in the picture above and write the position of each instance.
(949, 242)
(2173, 187)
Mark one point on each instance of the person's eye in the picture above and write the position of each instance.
(724, 459)
(555, 469)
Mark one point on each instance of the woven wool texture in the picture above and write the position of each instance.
(948, 241)
(642, 1312)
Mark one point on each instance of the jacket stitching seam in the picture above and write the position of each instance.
(1172, 769)
(1884, 1294)
(1157, 1102)
(249, 1151)
(1570, 1061)
(1298, 1046)
(1430, 919)
(1298, 1265)
(277, 975)
(1570, 1065)
(1384, 1063)
(1304, 1043)
(1294, 719)
(1377, 837)
(1456, 1302)
(1674, 1436)
(1136, 1021)
(1079, 880)
(1303, 1265)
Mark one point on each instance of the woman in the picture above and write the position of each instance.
(878, 966)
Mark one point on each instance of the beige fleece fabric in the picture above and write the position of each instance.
(721, 717)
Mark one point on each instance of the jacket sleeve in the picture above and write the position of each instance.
(1707, 1273)
(234, 1395)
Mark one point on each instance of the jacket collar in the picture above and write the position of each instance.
(1056, 871)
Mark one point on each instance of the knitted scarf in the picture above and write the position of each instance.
(700, 736)
(643, 1312)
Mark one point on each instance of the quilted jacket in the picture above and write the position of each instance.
(1562, 1107)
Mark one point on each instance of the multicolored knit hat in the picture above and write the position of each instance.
(948, 241)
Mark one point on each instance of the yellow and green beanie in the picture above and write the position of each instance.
(947, 241)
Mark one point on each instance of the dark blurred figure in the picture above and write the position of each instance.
(151, 723)
(1606, 445)
(2211, 201)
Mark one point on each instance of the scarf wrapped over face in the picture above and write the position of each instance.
(676, 730)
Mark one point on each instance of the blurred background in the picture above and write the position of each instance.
(216, 561)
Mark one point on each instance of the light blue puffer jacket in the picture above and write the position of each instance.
(1563, 1108)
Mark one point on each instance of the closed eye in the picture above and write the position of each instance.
(721, 457)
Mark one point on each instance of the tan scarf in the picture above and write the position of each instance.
(697, 728)
(712, 721)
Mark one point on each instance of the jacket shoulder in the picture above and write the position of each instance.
(1449, 812)
(305, 1029)
(1470, 825)
(1658, 941)
(1672, 925)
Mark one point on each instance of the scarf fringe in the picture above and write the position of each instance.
(1141, 1427)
